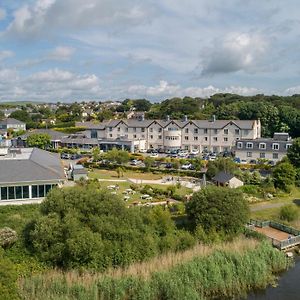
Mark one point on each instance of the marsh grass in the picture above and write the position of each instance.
(227, 270)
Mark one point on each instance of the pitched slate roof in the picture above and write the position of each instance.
(31, 165)
(55, 135)
(11, 121)
(218, 124)
(222, 177)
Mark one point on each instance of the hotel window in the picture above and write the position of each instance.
(195, 138)
(159, 129)
(25, 191)
(205, 130)
(275, 146)
(143, 129)
(110, 135)
(225, 131)
(143, 136)
(215, 131)
(134, 129)
(11, 192)
(262, 155)
(225, 139)
(119, 129)
(215, 138)
(246, 132)
(110, 128)
(94, 134)
(249, 145)
(134, 136)
(287, 146)
(206, 138)
(236, 131)
(262, 146)
(4, 193)
(195, 130)
(186, 130)
(159, 137)
(126, 129)
(41, 191)
(249, 154)
(18, 192)
(151, 137)
(239, 145)
(275, 155)
(151, 129)
(186, 138)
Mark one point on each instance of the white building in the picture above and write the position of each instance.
(271, 149)
(203, 135)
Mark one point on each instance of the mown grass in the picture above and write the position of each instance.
(227, 271)
(111, 174)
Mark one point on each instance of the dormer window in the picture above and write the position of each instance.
(275, 146)
(262, 146)
(240, 145)
(249, 145)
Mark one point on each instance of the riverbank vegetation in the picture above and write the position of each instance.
(227, 271)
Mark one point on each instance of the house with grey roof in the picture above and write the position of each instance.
(269, 149)
(226, 179)
(203, 135)
(28, 173)
(11, 123)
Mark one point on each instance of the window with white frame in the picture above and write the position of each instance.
(151, 137)
(186, 138)
(159, 137)
(226, 131)
(205, 130)
(215, 131)
(249, 154)
(262, 146)
(275, 146)
(236, 131)
(225, 139)
(195, 138)
(205, 138)
(215, 139)
(151, 129)
(239, 145)
(186, 130)
(287, 146)
(262, 155)
(275, 155)
(249, 145)
(195, 130)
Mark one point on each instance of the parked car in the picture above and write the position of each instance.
(154, 154)
(161, 150)
(169, 166)
(65, 156)
(194, 152)
(143, 151)
(135, 162)
(75, 156)
(186, 166)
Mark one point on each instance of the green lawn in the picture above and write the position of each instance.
(111, 174)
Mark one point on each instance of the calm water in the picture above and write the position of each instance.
(288, 287)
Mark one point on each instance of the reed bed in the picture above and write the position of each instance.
(227, 270)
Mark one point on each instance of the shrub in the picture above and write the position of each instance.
(288, 213)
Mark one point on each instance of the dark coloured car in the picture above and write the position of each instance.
(169, 166)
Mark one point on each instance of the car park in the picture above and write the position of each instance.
(194, 152)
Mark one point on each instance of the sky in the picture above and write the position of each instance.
(75, 50)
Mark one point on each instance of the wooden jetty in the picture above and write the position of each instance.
(282, 237)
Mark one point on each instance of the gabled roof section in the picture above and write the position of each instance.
(11, 121)
(223, 177)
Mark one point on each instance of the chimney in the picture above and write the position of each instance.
(214, 118)
(185, 118)
(143, 117)
(167, 118)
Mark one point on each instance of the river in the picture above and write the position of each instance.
(288, 287)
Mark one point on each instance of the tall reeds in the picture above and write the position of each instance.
(225, 271)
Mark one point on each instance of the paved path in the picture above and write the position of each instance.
(21, 202)
(259, 207)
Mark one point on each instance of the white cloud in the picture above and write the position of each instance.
(2, 14)
(292, 90)
(6, 54)
(236, 52)
(50, 85)
(61, 53)
(44, 16)
(165, 89)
